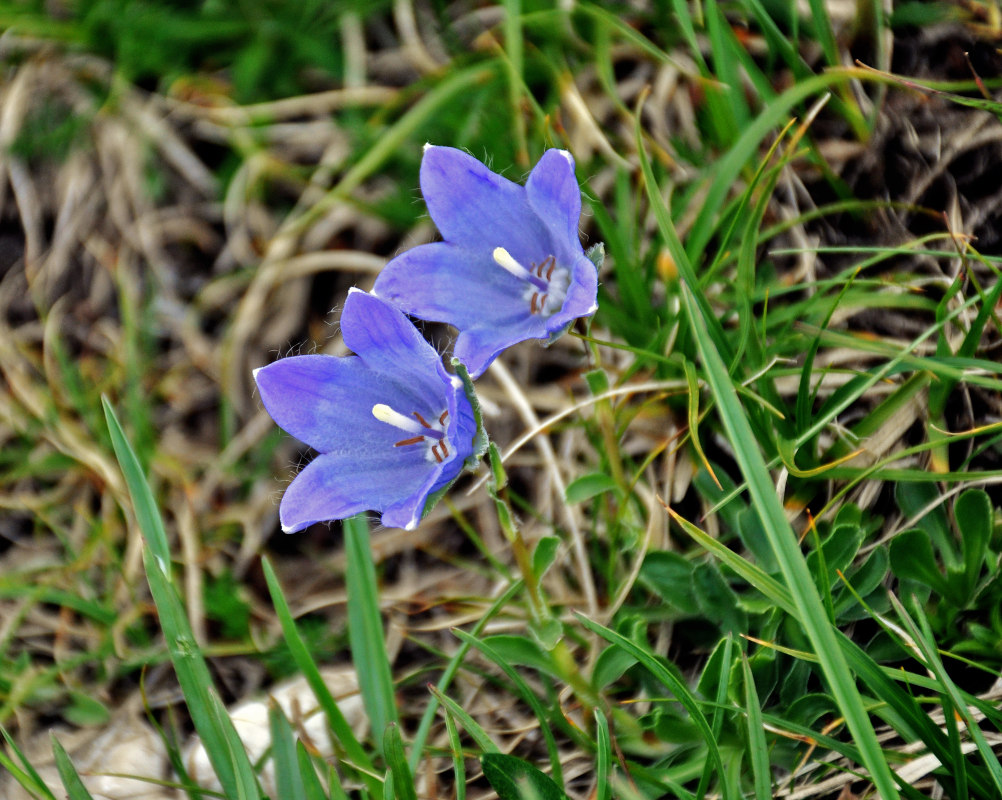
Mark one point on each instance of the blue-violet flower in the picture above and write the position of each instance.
(511, 267)
(390, 424)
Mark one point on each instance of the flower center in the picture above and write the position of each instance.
(547, 283)
(430, 434)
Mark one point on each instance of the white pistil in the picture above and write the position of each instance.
(384, 413)
(506, 261)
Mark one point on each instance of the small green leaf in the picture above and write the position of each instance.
(515, 779)
(75, 789)
(543, 555)
(85, 710)
(588, 486)
(670, 575)
(597, 380)
(547, 633)
(520, 650)
(912, 559)
(717, 601)
(610, 666)
(973, 512)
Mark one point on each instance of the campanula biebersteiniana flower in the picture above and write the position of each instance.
(391, 426)
(511, 267)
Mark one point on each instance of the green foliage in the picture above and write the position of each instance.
(515, 779)
(950, 569)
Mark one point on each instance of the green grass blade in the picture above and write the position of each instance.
(758, 748)
(312, 787)
(283, 753)
(222, 745)
(480, 736)
(810, 610)
(674, 685)
(417, 745)
(75, 789)
(393, 751)
(923, 639)
(458, 758)
(147, 513)
(27, 777)
(304, 661)
(545, 725)
(603, 756)
(365, 629)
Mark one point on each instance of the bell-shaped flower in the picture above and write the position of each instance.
(391, 426)
(511, 267)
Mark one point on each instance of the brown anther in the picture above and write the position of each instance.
(441, 419)
(434, 452)
(413, 440)
(553, 263)
(445, 450)
(532, 305)
(421, 419)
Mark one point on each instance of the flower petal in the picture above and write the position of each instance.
(581, 300)
(390, 345)
(478, 347)
(326, 401)
(337, 485)
(477, 208)
(443, 282)
(554, 195)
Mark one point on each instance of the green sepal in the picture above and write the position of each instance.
(480, 439)
(596, 254)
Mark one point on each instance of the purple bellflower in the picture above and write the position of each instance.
(392, 427)
(511, 267)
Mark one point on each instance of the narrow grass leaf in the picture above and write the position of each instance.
(758, 748)
(674, 685)
(365, 629)
(545, 724)
(222, 745)
(810, 611)
(923, 639)
(75, 789)
(417, 744)
(603, 756)
(458, 758)
(304, 661)
(145, 506)
(393, 751)
(283, 753)
(312, 787)
(480, 736)
(27, 776)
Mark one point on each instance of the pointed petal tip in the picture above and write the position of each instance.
(427, 145)
(567, 156)
(255, 372)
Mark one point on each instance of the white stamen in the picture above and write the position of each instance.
(384, 413)
(506, 261)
